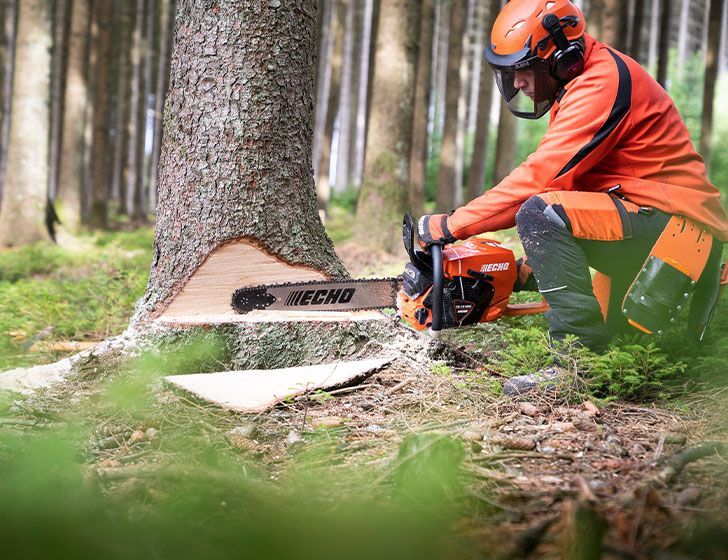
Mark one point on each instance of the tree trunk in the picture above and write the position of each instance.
(24, 211)
(344, 136)
(73, 147)
(362, 111)
(654, 35)
(442, 66)
(418, 156)
(476, 178)
(61, 22)
(134, 204)
(683, 39)
(7, 49)
(505, 148)
(235, 168)
(166, 33)
(711, 74)
(446, 187)
(323, 84)
(97, 215)
(635, 43)
(462, 114)
(323, 183)
(384, 192)
(123, 93)
(146, 118)
(664, 43)
(607, 23)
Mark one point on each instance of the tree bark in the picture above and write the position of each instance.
(505, 149)
(418, 155)
(323, 84)
(166, 32)
(476, 178)
(61, 22)
(25, 209)
(711, 74)
(7, 49)
(664, 43)
(344, 136)
(97, 215)
(635, 43)
(73, 146)
(446, 187)
(384, 192)
(323, 182)
(236, 149)
(133, 180)
(362, 111)
(606, 22)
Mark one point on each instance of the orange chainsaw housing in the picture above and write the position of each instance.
(479, 275)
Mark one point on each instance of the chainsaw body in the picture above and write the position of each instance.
(458, 285)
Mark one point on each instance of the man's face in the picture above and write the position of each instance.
(524, 80)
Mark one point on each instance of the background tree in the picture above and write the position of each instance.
(664, 42)
(446, 186)
(383, 195)
(476, 177)
(73, 144)
(236, 151)
(418, 157)
(7, 50)
(24, 214)
(711, 73)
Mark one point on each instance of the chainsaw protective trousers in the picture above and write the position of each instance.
(566, 232)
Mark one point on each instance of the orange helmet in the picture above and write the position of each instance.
(535, 49)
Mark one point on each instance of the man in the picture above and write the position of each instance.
(615, 165)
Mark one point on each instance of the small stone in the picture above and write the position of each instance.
(150, 433)
(522, 384)
(293, 438)
(274, 4)
(136, 436)
(246, 430)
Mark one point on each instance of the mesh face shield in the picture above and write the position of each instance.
(527, 86)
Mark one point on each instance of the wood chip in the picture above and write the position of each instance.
(509, 442)
(591, 409)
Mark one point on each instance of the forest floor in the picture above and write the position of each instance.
(429, 461)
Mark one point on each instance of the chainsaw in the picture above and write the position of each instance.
(453, 286)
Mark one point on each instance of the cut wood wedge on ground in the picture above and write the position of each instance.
(258, 390)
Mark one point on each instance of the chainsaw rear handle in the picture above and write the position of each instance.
(437, 287)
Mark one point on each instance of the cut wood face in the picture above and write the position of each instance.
(258, 390)
(206, 297)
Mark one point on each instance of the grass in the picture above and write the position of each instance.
(84, 292)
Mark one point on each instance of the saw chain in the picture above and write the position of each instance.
(319, 295)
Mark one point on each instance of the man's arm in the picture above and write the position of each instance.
(591, 119)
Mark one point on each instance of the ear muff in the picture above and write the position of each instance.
(567, 62)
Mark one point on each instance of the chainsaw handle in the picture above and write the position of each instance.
(437, 287)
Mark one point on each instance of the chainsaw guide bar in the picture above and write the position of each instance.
(323, 295)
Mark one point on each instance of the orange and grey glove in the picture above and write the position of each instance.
(525, 281)
(432, 230)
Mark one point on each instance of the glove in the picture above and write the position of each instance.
(432, 230)
(525, 281)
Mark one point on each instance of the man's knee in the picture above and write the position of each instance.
(538, 214)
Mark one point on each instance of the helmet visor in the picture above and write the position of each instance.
(527, 87)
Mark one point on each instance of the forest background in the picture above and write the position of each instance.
(82, 87)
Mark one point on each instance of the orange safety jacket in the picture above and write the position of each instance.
(612, 125)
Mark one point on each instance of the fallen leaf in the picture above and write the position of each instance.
(591, 409)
